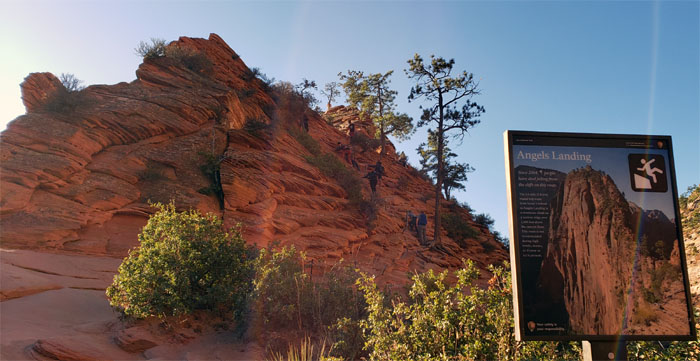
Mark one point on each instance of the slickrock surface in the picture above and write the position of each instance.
(76, 184)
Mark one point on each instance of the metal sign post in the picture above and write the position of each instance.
(604, 351)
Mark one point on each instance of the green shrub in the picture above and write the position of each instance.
(365, 142)
(191, 59)
(457, 228)
(185, 262)
(155, 49)
(211, 168)
(459, 322)
(255, 127)
(334, 168)
(67, 99)
(325, 308)
(306, 140)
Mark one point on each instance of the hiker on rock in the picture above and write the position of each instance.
(353, 161)
(351, 129)
(372, 177)
(379, 169)
(403, 160)
(412, 222)
(422, 222)
(344, 152)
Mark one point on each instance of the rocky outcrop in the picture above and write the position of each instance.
(690, 216)
(79, 179)
(38, 89)
(593, 237)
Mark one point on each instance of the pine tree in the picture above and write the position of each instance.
(331, 91)
(455, 173)
(443, 93)
(371, 95)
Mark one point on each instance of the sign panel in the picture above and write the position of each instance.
(596, 245)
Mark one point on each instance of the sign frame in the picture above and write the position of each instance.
(585, 140)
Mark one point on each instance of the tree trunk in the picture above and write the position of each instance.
(440, 176)
(381, 122)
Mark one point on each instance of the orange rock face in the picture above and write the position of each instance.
(80, 180)
(77, 173)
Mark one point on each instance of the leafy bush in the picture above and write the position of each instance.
(306, 140)
(459, 322)
(255, 126)
(211, 168)
(155, 49)
(327, 307)
(67, 99)
(365, 142)
(334, 168)
(185, 262)
(191, 59)
(457, 228)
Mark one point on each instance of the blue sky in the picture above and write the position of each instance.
(596, 66)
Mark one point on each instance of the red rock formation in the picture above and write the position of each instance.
(79, 180)
(77, 171)
(595, 265)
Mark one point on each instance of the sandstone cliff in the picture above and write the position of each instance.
(608, 278)
(78, 180)
(77, 172)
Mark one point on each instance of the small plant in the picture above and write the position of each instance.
(457, 322)
(155, 49)
(327, 307)
(255, 127)
(212, 170)
(334, 168)
(66, 99)
(364, 142)
(71, 82)
(305, 352)
(185, 262)
(191, 59)
(152, 173)
(244, 94)
(307, 141)
(645, 314)
(457, 228)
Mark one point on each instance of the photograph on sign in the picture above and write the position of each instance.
(595, 237)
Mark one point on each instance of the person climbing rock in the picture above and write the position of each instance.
(403, 160)
(411, 218)
(353, 161)
(344, 152)
(351, 129)
(379, 169)
(422, 223)
(372, 177)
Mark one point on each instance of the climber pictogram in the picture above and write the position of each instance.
(648, 173)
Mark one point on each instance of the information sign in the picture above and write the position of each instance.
(596, 244)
